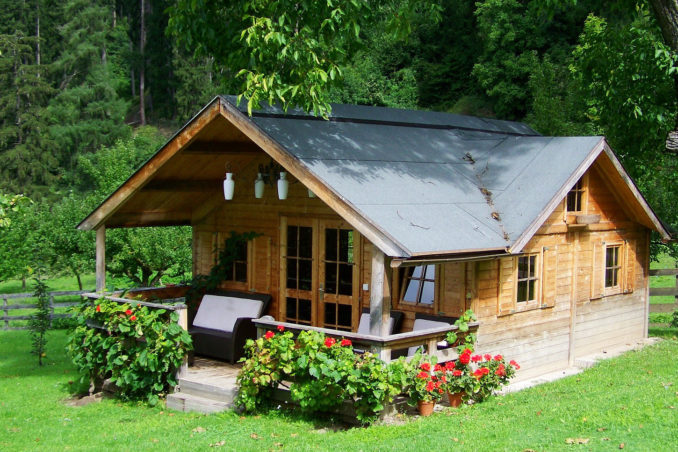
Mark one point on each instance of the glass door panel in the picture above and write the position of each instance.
(299, 275)
(339, 301)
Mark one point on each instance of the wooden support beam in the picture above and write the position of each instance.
(201, 186)
(380, 293)
(101, 259)
(221, 148)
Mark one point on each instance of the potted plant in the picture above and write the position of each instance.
(457, 377)
(425, 388)
(490, 374)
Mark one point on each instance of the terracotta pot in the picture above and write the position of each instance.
(425, 408)
(455, 399)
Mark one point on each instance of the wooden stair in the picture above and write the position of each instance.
(207, 387)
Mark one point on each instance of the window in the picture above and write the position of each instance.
(527, 279)
(418, 286)
(575, 197)
(236, 256)
(612, 266)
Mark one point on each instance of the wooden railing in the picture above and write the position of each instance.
(53, 304)
(382, 346)
(665, 291)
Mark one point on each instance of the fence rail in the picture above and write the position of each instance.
(664, 291)
(8, 308)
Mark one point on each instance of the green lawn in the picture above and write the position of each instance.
(630, 400)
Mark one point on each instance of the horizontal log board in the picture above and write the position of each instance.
(33, 306)
(169, 307)
(10, 296)
(664, 307)
(662, 291)
(664, 272)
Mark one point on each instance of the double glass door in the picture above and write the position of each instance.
(319, 277)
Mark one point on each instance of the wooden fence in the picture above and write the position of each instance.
(665, 291)
(53, 304)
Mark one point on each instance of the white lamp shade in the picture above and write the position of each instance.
(259, 187)
(283, 185)
(229, 186)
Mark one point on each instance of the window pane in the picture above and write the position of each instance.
(292, 241)
(609, 257)
(304, 311)
(291, 273)
(345, 279)
(417, 271)
(430, 272)
(305, 274)
(330, 277)
(530, 294)
(345, 311)
(411, 291)
(291, 309)
(522, 291)
(241, 252)
(241, 271)
(428, 293)
(533, 265)
(331, 244)
(609, 278)
(522, 267)
(330, 314)
(345, 245)
(305, 242)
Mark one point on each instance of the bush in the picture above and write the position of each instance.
(138, 348)
(323, 373)
(674, 320)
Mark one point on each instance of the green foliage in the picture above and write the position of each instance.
(674, 320)
(423, 383)
(139, 348)
(461, 338)
(39, 322)
(324, 374)
(10, 204)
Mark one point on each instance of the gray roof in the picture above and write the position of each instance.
(434, 182)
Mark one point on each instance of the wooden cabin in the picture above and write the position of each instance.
(545, 238)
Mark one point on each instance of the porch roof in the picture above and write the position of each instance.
(415, 183)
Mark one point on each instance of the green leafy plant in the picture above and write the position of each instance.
(674, 320)
(425, 381)
(322, 373)
(490, 374)
(138, 348)
(457, 374)
(39, 322)
(461, 337)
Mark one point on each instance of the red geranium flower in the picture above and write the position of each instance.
(346, 343)
(269, 334)
(425, 366)
(330, 341)
(488, 357)
(281, 328)
(437, 368)
(457, 373)
(498, 357)
(485, 370)
(501, 370)
(423, 375)
(133, 318)
(128, 312)
(478, 374)
(430, 386)
(476, 358)
(450, 365)
(514, 364)
(98, 308)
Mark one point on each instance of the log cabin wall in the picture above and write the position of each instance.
(574, 313)
(245, 213)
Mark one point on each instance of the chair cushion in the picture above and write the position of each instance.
(424, 324)
(364, 325)
(220, 313)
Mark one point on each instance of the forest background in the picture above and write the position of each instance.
(89, 89)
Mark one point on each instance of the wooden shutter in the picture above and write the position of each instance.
(506, 296)
(598, 270)
(549, 275)
(629, 266)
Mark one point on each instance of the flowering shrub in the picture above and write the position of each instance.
(322, 372)
(490, 374)
(426, 380)
(138, 348)
(458, 373)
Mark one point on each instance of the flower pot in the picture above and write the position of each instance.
(425, 408)
(455, 399)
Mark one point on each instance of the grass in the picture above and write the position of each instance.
(630, 400)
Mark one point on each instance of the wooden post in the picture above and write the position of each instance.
(101, 259)
(573, 300)
(4, 304)
(183, 323)
(51, 310)
(380, 293)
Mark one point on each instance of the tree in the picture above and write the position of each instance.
(288, 51)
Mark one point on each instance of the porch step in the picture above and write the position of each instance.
(182, 401)
(223, 390)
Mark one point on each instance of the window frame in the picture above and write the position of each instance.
(580, 191)
(536, 302)
(620, 267)
(402, 279)
(231, 282)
